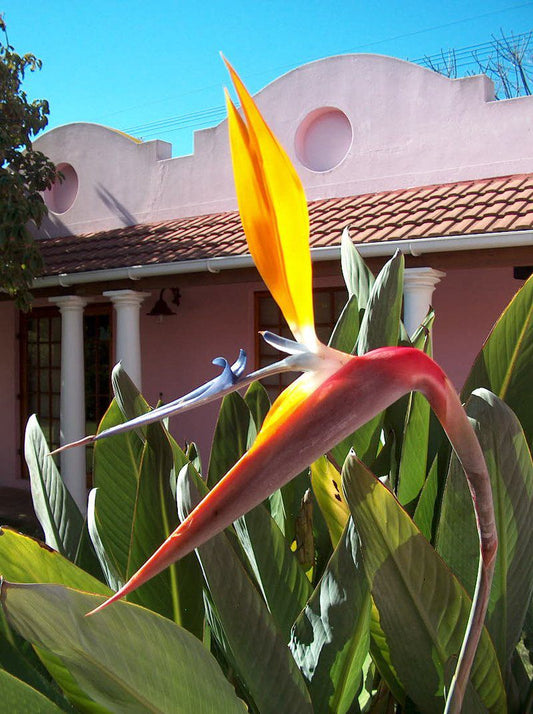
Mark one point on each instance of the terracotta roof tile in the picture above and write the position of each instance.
(467, 207)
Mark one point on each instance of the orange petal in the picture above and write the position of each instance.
(274, 213)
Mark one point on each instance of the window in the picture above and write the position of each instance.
(328, 305)
(40, 373)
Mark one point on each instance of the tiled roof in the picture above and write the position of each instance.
(467, 207)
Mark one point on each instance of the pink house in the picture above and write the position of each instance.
(403, 157)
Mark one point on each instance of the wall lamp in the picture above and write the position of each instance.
(161, 308)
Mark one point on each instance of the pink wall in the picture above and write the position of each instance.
(177, 352)
(217, 320)
(396, 125)
(9, 388)
(467, 304)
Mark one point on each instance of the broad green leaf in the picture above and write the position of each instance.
(58, 514)
(380, 651)
(129, 400)
(148, 512)
(365, 442)
(81, 701)
(330, 639)
(422, 337)
(117, 468)
(112, 578)
(17, 696)
(425, 515)
(281, 579)
(518, 685)
(511, 472)
(268, 673)
(358, 278)
(193, 455)
(504, 364)
(380, 326)
(344, 335)
(327, 487)
(235, 432)
(258, 403)
(285, 504)
(412, 471)
(423, 610)
(133, 507)
(26, 560)
(126, 658)
(18, 658)
(414, 445)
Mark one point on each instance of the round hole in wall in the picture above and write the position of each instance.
(323, 139)
(60, 197)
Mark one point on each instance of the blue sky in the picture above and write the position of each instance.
(129, 64)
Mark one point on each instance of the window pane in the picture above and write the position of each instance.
(55, 325)
(328, 304)
(269, 312)
(322, 302)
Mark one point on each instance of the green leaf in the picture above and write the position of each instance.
(358, 278)
(58, 514)
(26, 560)
(344, 335)
(504, 364)
(133, 506)
(425, 512)
(258, 402)
(380, 326)
(129, 400)
(511, 473)
(412, 465)
(81, 701)
(330, 639)
(18, 658)
(234, 434)
(327, 488)
(112, 578)
(423, 610)
(272, 678)
(282, 581)
(17, 696)
(126, 658)
(415, 438)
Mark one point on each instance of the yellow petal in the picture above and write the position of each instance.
(274, 213)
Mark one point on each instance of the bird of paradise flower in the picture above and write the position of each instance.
(336, 393)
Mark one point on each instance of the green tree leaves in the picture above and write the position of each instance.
(24, 173)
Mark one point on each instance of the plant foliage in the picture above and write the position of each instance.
(371, 617)
(24, 173)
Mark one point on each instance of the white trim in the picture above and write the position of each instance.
(72, 397)
(127, 304)
(418, 288)
(415, 247)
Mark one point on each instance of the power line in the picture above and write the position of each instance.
(465, 57)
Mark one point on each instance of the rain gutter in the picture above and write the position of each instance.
(415, 247)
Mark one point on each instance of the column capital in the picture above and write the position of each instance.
(126, 297)
(422, 277)
(69, 302)
(418, 287)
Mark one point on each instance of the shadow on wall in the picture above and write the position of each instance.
(51, 228)
(117, 208)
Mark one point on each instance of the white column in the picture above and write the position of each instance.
(127, 304)
(419, 284)
(72, 400)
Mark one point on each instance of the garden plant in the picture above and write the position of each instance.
(327, 558)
